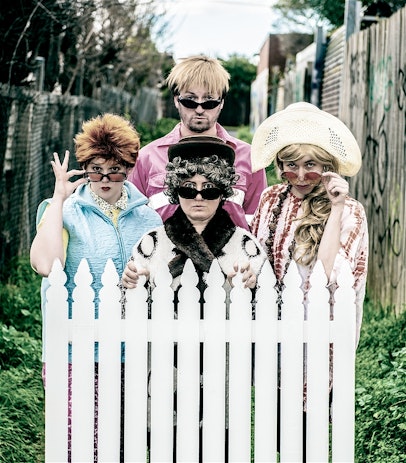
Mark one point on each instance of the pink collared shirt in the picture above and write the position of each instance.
(149, 173)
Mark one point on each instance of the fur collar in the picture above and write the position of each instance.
(189, 244)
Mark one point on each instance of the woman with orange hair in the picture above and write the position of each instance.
(96, 217)
(99, 215)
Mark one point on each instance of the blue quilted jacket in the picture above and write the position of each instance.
(93, 236)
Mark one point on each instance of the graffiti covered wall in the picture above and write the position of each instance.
(373, 105)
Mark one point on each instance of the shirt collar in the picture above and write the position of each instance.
(108, 208)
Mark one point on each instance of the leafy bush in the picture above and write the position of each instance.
(17, 348)
(244, 133)
(380, 388)
(150, 132)
(20, 297)
(21, 390)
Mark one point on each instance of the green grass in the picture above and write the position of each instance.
(21, 390)
(380, 435)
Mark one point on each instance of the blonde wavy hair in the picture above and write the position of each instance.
(316, 205)
(199, 71)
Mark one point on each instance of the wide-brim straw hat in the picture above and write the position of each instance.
(304, 123)
(198, 146)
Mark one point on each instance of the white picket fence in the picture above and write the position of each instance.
(228, 393)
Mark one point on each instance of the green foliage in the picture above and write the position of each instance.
(380, 388)
(311, 12)
(18, 348)
(21, 390)
(242, 73)
(20, 297)
(21, 415)
(300, 11)
(150, 132)
(244, 133)
(122, 53)
(236, 110)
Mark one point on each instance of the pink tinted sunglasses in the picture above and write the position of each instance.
(311, 177)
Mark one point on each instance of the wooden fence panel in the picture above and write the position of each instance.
(172, 407)
(266, 368)
(188, 368)
(214, 367)
(56, 389)
(161, 373)
(240, 370)
(318, 354)
(136, 377)
(83, 366)
(373, 105)
(343, 372)
(109, 367)
(291, 368)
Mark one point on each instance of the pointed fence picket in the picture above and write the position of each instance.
(148, 383)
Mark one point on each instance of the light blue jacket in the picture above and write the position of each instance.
(93, 236)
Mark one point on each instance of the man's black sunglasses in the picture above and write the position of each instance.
(192, 104)
(187, 192)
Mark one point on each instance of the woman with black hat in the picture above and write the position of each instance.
(200, 176)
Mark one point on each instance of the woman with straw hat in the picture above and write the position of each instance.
(310, 215)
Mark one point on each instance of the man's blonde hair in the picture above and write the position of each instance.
(199, 71)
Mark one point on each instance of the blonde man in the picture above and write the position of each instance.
(199, 85)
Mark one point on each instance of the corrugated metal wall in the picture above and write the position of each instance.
(333, 72)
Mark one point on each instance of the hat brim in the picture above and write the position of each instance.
(304, 123)
(198, 147)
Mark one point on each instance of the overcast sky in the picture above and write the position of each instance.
(218, 28)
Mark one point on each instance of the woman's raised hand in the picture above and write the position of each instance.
(336, 186)
(63, 186)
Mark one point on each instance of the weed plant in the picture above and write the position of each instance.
(150, 132)
(380, 435)
(21, 390)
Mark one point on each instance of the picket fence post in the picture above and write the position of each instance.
(266, 368)
(56, 389)
(343, 428)
(136, 377)
(318, 364)
(214, 367)
(170, 377)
